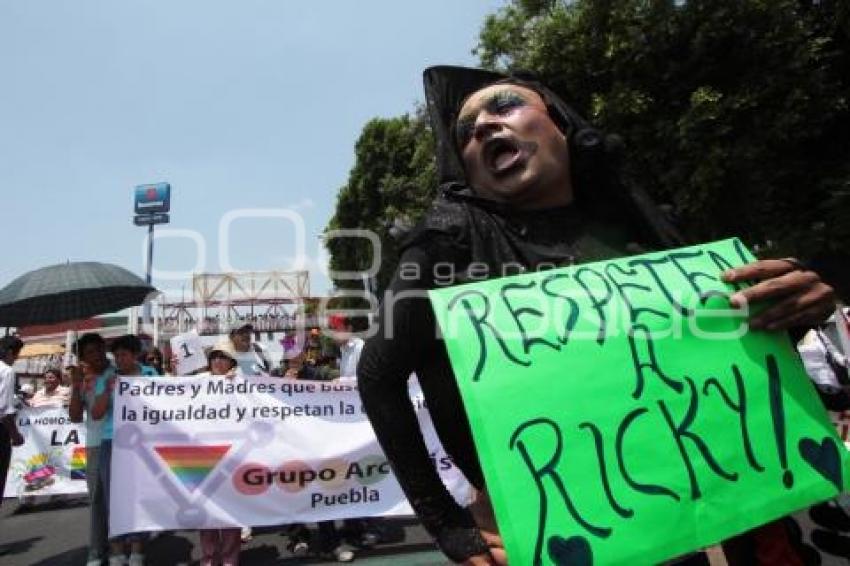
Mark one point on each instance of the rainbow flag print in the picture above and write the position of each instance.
(192, 464)
(78, 463)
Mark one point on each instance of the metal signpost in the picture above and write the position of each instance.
(151, 205)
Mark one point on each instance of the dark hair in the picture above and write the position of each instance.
(54, 370)
(86, 339)
(596, 158)
(129, 342)
(358, 323)
(10, 344)
(155, 352)
(221, 354)
(249, 328)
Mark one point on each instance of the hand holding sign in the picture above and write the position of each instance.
(188, 352)
(802, 298)
(482, 511)
(612, 398)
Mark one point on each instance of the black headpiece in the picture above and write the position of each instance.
(594, 156)
(446, 89)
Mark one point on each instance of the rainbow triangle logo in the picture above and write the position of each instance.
(192, 464)
(78, 463)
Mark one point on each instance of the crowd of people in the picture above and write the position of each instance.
(89, 398)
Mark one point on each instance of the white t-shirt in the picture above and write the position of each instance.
(252, 362)
(60, 397)
(7, 390)
(350, 356)
(813, 349)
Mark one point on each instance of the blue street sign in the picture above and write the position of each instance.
(152, 199)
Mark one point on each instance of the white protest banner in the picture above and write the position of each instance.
(189, 352)
(52, 459)
(210, 452)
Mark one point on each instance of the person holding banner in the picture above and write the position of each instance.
(329, 543)
(126, 350)
(251, 359)
(94, 366)
(362, 532)
(250, 355)
(221, 546)
(10, 347)
(155, 360)
(527, 184)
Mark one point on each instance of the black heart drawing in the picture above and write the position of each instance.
(574, 551)
(824, 458)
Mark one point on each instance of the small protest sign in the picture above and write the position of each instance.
(624, 413)
(189, 352)
(52, 459)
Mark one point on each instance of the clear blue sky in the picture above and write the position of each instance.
(248, 104)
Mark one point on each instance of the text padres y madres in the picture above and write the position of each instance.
(227, 388)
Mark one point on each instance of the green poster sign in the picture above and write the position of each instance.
(624, 413)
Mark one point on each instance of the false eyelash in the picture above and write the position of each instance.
(502, 101)
(463, 130)
(499, 103)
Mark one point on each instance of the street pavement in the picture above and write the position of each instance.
(56, 534)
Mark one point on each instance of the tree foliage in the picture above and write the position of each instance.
(390, 186)
(734, 111)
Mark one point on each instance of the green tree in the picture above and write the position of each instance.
(390, 186)
(734, 111)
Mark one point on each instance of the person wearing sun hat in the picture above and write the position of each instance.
(221, 546)
(224, 354)
(252, 360)
(526, 184)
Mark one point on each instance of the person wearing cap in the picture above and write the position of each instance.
(252, 360)
(221, 546)
(526, 184)
(25, 394)
(250, 356)
(10, 348)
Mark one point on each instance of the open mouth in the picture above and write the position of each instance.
(503, 154)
